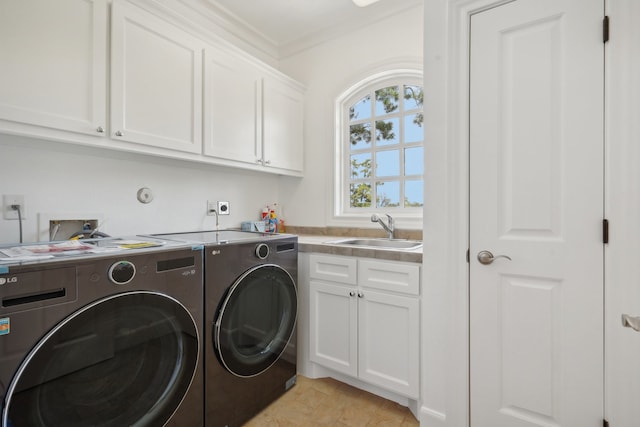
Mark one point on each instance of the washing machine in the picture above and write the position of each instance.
(111, 338)
(250, 310)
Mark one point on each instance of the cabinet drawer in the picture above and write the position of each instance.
(333, 268)
(390, 276)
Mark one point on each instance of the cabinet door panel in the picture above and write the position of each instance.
(282, 125)
(390, 276)
(389, 341)
(156, 81)
(53, 71)
(334, 268)
(333, 327)
(232, 108)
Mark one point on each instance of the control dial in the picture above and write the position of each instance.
(122, 272)
(262, 250)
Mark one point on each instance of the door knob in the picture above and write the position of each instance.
(486, 257)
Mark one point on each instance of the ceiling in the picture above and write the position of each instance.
(292, 25)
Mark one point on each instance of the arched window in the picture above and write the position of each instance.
(380, 161)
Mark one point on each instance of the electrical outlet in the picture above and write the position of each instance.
(223, 208)
(212, 208)
(13, 199)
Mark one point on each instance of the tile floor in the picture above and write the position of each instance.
(327, 402)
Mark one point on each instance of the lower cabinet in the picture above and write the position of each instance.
(362, 330)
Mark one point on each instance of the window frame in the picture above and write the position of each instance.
(342, 212)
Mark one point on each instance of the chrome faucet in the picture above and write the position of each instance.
(387, 227)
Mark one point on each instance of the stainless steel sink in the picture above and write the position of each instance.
(378, 243)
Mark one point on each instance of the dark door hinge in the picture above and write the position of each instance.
(605, 423)
(467, 256)
(605, 29)
(605, 231)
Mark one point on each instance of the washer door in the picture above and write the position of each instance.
(126, 360)
(256, 320)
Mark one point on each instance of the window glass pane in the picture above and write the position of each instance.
(361, 110)
(413, 128)
(360, 136)
(386, 136)
(361, 165)
(387, 131)
(413, 97)
(414, 195)
(388, 163)
(387, 100)
(360, 195)
(387, 194)
(413, 161)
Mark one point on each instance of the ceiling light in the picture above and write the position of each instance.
(363, 3)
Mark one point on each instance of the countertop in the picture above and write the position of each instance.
(317, 243)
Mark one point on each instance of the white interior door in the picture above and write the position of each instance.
(536, 196)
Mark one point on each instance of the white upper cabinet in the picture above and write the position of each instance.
(156, 81)
(232, 110)
(253, 114)
(282, 124)
(53, 65)
(175, 91)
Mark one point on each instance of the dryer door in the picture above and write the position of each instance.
(126, 360)
(256, 320)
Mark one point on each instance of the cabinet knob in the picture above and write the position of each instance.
(360, 295)
(267, 162)
(100, 129)
(119, 133)
(352, 294)
(259, 161)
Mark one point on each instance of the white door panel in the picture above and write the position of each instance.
(53, 64)
(536, 173)
(156, 81)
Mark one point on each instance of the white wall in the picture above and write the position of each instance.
(327, 70)
(65, 178)
(60, 178)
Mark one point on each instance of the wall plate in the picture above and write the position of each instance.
(13, 199)
(223, 208)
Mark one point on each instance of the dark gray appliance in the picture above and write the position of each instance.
(251, 310)
(103, 340)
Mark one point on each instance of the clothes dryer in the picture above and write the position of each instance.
(251, 310)
(110, 339)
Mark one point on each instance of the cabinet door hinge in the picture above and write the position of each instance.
(605, 29)
(605, 231)
(605, 423)
(467, 256)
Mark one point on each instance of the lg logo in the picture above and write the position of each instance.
(188, 272)
(4, 280)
